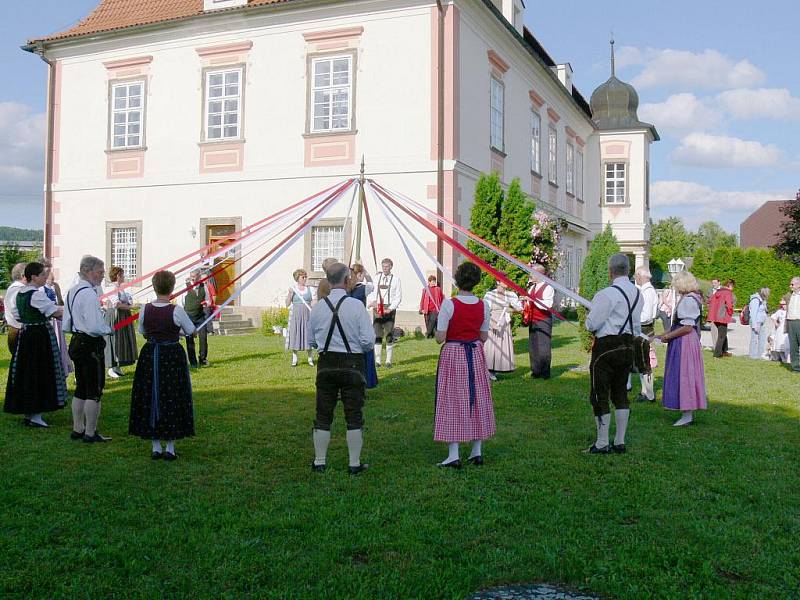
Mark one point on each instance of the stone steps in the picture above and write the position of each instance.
(232, 322)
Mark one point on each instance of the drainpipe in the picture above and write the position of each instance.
(38, 49)
(440, 139)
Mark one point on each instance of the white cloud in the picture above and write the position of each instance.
(683, 69)
(766, 103)
(680, 113)
(22, 138)
(696, 203)
(718, 151)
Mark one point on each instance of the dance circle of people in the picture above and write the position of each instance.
(346, 323)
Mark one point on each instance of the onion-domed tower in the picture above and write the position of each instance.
(625, 164)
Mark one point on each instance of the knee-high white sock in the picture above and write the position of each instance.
(322, 439)
(171, 446)
(647, 386)
(294, 359)
(629, 386)
(91, 409)
(378, 350)
(621, 416)
(37, 418)
(78, 422)
(686, 417)
(603, 423)
(355, 440)
(476, 449)
(389, 351)
(452, 449)
(156, 445)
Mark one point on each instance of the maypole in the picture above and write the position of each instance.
(361, 200)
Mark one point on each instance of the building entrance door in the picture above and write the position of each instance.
(225, 264)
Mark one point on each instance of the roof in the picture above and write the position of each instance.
(762, 228)
(113, 15)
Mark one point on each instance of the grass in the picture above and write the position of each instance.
(709, 511)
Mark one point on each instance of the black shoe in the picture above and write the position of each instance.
(204, 363)
(359, 469)
(95, 438)
(595, 450)
(76, 435)
(453, 464)
(642, 398)
(618, 448)
(170, 456)
(193, 365)
(157, 455)
(388, 365)
(476, 460)
(317, 468)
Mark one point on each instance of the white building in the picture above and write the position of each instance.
(174, 123)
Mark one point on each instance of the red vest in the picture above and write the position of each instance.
(537, 311)
(465, 325)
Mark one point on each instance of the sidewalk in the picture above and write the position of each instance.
(738, 339)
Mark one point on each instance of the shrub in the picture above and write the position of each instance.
(514, 231)
(594, 275)
(484, 221)
(273, 316)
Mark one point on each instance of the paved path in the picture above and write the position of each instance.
(530, 592)
(738, 339)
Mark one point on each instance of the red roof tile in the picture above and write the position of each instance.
(112, 15)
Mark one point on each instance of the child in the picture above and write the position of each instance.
(429, 305)
(161, 398)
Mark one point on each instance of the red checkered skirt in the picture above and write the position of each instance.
(455, 422)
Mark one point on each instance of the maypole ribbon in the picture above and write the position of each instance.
(489, 246)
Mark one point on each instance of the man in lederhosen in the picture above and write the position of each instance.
(84, 319)
(540, 326)
(384, 302)
(340, 329)
(615, 317)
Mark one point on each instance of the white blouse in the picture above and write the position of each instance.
(688, 310)
(40, 301)
(447, 310)
(179, 317)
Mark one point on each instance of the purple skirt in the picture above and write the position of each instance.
(684, 378)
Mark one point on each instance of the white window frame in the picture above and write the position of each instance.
(617, 177)
(552, 162)
(536, 142)
(124, 241)
(331, 247)
(579, 175)
(331, 89)
(497, 102)
(570, 164)
(121, 127)
(224, 111)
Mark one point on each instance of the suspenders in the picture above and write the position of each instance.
(69, 309)
(629, 320)
(336, 323)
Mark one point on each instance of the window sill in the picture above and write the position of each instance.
(226, 141)
(123, 150)
(553, 184)
(498, 152)
(570, 195)
(615, 205)
(581, 200)
(537, 175)
(320, 134)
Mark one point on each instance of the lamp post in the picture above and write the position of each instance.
(675, 266)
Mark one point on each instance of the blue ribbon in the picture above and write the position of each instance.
(154, 415)
(468, 348)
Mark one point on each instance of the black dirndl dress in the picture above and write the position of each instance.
(36, 381)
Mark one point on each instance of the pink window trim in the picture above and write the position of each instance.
(221, 157)
(536, 99)
(579, 141)
(333, 150)
(234, 48)
(128, 62)
(554, 117)
(497, 62)
(570, 132)
(333, 34)
(125, 164)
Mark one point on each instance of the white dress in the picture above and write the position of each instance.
(499, 347)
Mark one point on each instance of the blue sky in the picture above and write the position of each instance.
(718, 79)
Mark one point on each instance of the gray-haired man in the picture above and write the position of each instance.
(648, 320)
(12, 315)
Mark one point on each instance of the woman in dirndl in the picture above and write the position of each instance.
(684, 376)
(299, 300)
(121, 347)
(161, 398)
(499, 346)
(464, 409)
(36, 381)
(360, 287)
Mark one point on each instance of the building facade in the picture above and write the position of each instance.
(177, 122)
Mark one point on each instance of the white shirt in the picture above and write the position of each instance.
(610, 311)
(497, 302)
(82, 311)
(448, 309)
(548, 294)
(12, 314)
(793, 309)
(179, 317)
(688, 311)
(119, 296)
(391, 296)
(650, 306)
(356, 324)
(39, 300)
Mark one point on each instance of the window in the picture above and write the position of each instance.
(579, 175)
(332, 94)
(615, 183)
(570, 168)
(127, 110)
(124, 250)
(552, 166)
(536, 143)
(223, 104)
(327, 241)
(497, 107)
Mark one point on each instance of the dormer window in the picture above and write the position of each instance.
(220, 4)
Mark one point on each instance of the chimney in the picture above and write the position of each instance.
(219, 4)
(564, 73)
(513, 11)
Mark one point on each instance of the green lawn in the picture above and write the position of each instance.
(709, 511)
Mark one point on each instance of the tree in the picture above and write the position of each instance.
(484, 222)
(594, 274)
(711, 236)
(10, 255)
(514, 231)
(788, 246)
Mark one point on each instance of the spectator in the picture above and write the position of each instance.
(720, 313)
(758, 319)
